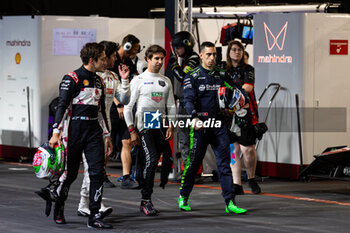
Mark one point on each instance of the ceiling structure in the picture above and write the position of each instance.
(124, 8)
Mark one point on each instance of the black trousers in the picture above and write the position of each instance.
(85, 136)
(153, 144)
(119, 130)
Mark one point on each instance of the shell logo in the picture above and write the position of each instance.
(86, 82)
(18, 58)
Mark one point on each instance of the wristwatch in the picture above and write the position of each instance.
(119, 105)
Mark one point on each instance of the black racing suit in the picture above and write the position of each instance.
(81, 99)
(189, 62)
(201, 100)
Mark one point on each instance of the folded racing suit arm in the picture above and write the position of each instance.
(102, 113)
(134, 89)
(189, 96)
(122, 92)
(66, 94)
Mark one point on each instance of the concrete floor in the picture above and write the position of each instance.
(284, 206)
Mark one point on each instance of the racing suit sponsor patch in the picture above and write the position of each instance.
(86, 82)
(98, 83)
(201, 87)
(214, 87)
(74, 76)
(157, 96)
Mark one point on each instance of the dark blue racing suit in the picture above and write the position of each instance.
(201, 100)
(82, 119)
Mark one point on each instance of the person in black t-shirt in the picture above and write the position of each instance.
(243, 76)
(119, 133)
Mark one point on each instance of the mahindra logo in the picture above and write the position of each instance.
(18, 43)
(274, 39)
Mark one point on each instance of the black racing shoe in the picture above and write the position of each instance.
(44, 193)
(97, 222)
(48, 194)
(147, 208)
(254, 186)
(128, 183)
(238, 189)
(58, 213)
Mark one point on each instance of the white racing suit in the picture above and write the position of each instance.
(153, 93)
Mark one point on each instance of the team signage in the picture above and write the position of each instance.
(275, 42)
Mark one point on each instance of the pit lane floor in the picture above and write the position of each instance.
(320, 206)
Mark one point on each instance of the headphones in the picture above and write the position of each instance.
(127, 46)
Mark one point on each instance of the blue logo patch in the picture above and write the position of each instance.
(151, 120)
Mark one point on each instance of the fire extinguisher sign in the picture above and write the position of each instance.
(338, 47)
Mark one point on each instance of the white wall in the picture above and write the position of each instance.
(327, 78)
(53, 68)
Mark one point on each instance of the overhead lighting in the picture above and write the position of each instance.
(205, 12)
(226, 13)
(65, 19)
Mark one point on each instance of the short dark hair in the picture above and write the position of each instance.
(206, 44)
(91, 50)
(110, 47)
(154, 49)
(131, 39)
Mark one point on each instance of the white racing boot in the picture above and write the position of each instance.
(105, 211)
(83, 209)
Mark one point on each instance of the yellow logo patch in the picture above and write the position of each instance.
(18, 58)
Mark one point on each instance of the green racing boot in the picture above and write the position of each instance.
(183, 203)
(232, 208)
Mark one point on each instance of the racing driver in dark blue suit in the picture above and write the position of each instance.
(201, 102)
